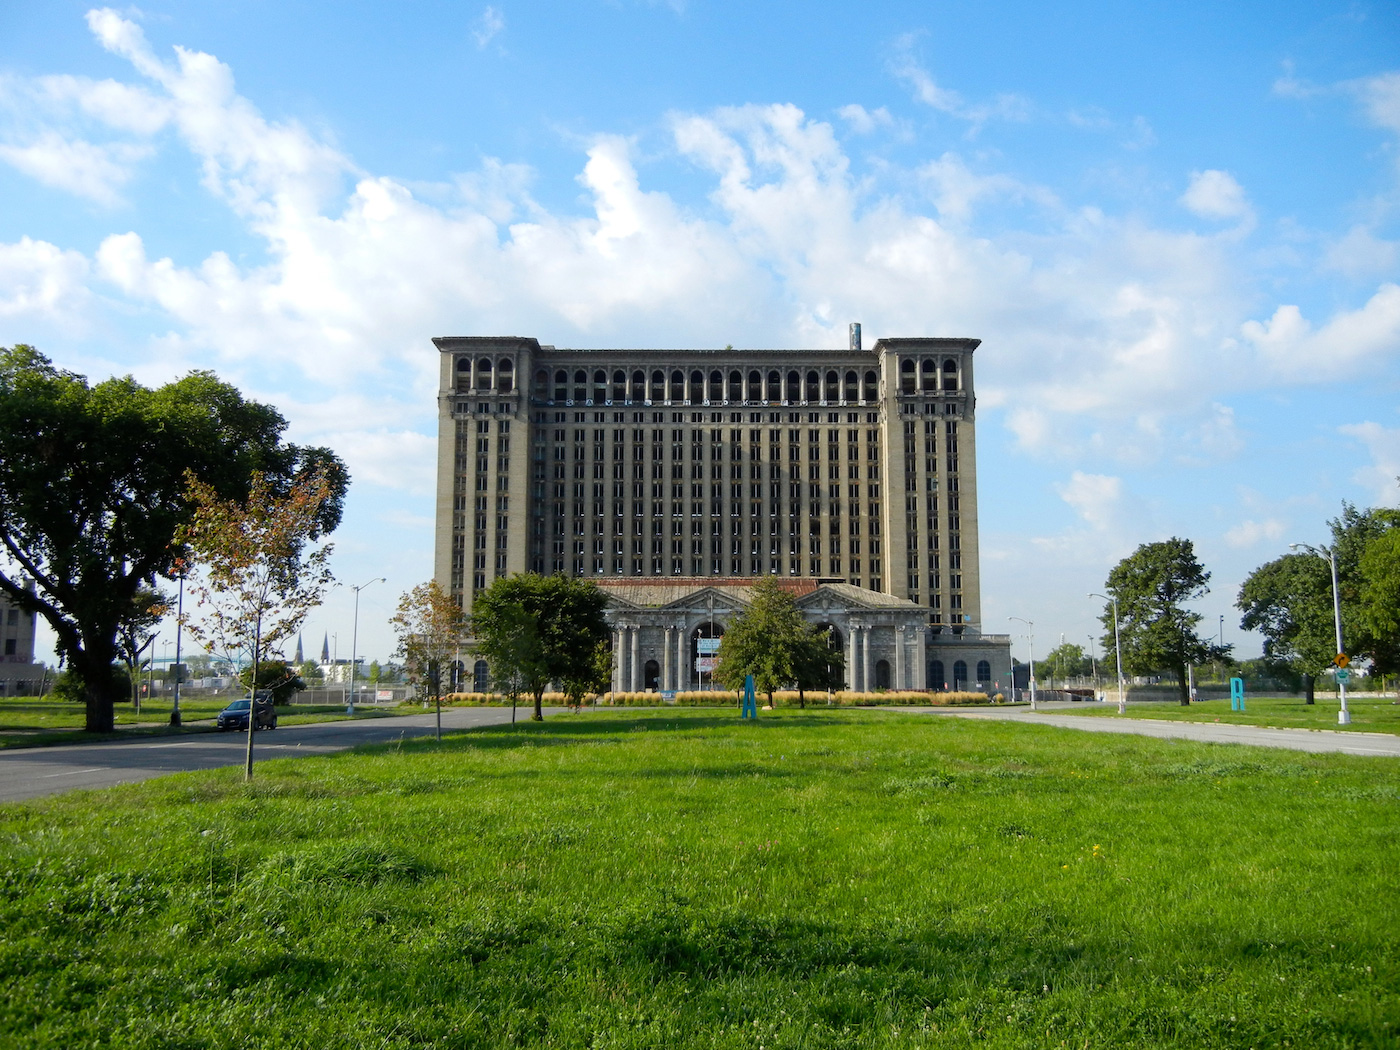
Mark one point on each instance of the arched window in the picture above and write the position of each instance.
(619, 388)
(792, 390)
(464, 374)
(870, 391)
(755, 388)
(906, 376)
(936, 681)
(852, 392)
(736, 386)
(658, 385)
(639, 385)
(950, 375)
(505, 378)
(580, 385)
(984, 671)
(928, 376)
(652, 676)
(773, 389)
(677, 392)
(814, 392)
(832, 391)
(716, 391)
(483, 374)
(542, 385)
(481, 676)
(697, 386)
(561, 385)
(959, 674)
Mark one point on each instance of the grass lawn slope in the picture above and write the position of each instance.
(1369, 714)
(682, 879)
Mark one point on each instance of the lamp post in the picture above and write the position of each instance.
(1330, 553)
(1031, 650)
(354, 638)
(1117, 650)
(1094, 665)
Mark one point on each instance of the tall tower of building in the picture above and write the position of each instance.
(855, 465)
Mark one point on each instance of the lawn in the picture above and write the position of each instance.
(33, 721)
(680, 878)
(1368, 714)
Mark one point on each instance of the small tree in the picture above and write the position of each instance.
(430, 625)
(259, 579)
(588, 678)
(276, 677)
(820, 663)
(534, 630)
(772, 641)
(1158, 632)
(134, 634)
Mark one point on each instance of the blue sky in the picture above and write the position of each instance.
(1175, 227)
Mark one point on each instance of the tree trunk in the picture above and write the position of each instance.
(1183, 686)
(801, 700)
(94, 667)
(538, 716)
(1308, 684)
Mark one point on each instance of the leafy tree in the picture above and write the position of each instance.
(259, 579)
(1067, 660)
(1289, 602)
(772, 641)
(533, 630)
(1379, 617)
(276, 676)
(310, 671)
(820, 663)
(93, 493)
(1158, 632)
(375, 671)
(134, 634)
(430, 625)
(589, 677)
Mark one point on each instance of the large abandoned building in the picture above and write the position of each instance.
(675, 478)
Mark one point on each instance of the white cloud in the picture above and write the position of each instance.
(1094, 497)
(1382, 476)
(1360, 253)
(928, 91)
(1250, 533)
(85, 169)
(38, 280)
(863, 121)
(1381, 97)
(1289, 347)
(1215, 195)
(488, 26)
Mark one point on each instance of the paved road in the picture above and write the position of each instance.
(33, 772)
(1317, 740)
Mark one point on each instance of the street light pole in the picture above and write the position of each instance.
(354, 639)
(179, 624)
(1031, 650)
(1330, 553)
(1117, 650)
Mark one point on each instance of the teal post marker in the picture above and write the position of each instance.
(1236, 694)
(750, 699)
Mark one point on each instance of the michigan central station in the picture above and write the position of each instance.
(675, 479)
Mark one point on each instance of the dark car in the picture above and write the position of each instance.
(235, 716)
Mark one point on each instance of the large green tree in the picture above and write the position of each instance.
(1158, 631)
(533, 630)
(772, 640)
(92, 493)
(1289, 602)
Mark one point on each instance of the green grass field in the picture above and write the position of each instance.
(679, 878)
(1368, 714)
(35, 721)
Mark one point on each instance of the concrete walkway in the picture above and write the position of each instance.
(38, 771)
(1315, 740)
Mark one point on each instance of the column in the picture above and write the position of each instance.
(634, 672)
(853, 659)
(618, 657)
(666, 658)
(867, 669)
(919, 654)
(899, 682)
(682, 661)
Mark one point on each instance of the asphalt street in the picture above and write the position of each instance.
(37, 771)
(1316, 740)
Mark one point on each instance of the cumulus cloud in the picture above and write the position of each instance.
(1250, 533)
(1291, 348)
(1215, 195)
(1382, 476)
(40, 280)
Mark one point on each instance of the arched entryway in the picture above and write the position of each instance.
(652, 676)
(882, 674)
(481, 676)
(936, 681)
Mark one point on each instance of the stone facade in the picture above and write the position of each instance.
(852, 471)
(19, 674)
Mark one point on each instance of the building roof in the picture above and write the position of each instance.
(659, 592)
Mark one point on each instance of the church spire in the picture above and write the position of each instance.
(326, 649)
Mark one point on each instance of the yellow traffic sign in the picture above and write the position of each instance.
(1341, 660)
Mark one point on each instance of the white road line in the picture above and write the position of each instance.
(72, 772)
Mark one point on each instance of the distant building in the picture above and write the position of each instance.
(669, 475)
(19, 674)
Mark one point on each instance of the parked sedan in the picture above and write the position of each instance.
(235, 716)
